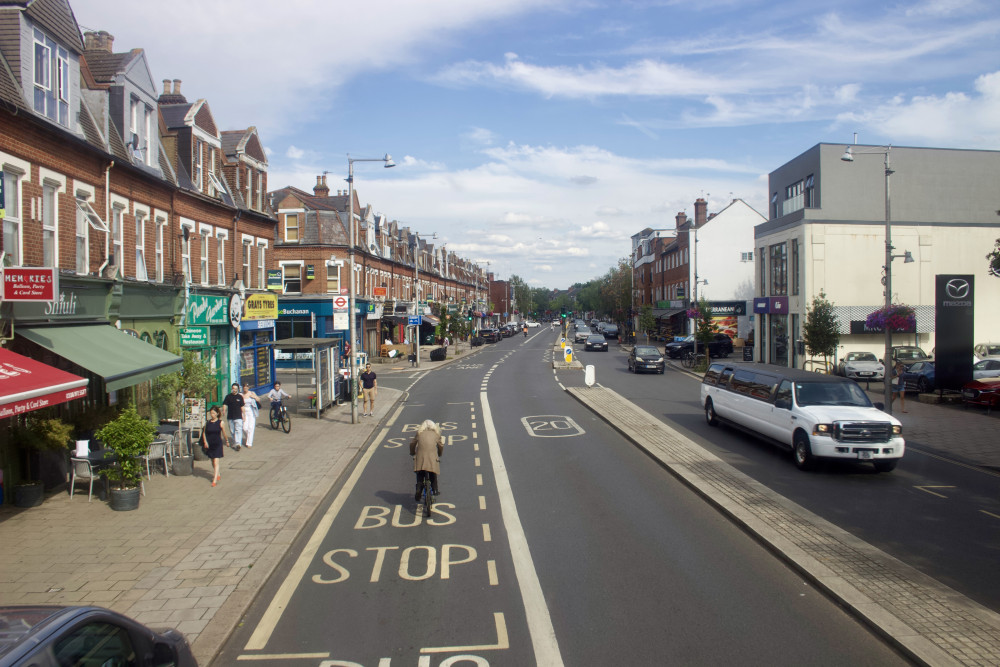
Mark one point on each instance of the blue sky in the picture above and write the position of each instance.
(539, 135)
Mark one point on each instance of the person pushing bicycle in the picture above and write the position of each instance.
(426, 461)
(275, 396)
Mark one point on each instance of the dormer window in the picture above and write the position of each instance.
(215, 185)
(198, 165)
(52, 79)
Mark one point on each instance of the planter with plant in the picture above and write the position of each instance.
(129, 437)
(169, 391)
(36, 435)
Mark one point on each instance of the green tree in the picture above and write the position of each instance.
(646, 320)
(821, 330)
(705, 326)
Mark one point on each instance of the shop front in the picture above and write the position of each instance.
(208, 332)
(260, 312)
(148, 312)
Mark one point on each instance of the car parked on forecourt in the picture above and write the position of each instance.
(909, 355)
(721, 345)
(53, 635)
(596, 342)
(919, 376)
(987, 351)
(861, 366)
(985, 392)
(580, 335)
(646, 358)
(987, 368)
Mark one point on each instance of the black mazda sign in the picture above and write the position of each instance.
(954, 319)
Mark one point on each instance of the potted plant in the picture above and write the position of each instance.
(35, 435)
(194, 379)
(128, 436)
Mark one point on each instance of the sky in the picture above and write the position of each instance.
(536, 137)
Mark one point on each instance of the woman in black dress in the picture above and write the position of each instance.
(214, 438)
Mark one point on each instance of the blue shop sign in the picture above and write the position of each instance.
(256, 325)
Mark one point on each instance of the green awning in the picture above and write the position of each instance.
(122, 360)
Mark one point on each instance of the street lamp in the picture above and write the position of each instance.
(886, 151)
(352, 305)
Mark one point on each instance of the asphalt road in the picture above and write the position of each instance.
(555, 541)
(930, 512)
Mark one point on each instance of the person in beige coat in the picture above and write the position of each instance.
(426, 461)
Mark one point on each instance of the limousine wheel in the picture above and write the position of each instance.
(804, 458)
(710, 415)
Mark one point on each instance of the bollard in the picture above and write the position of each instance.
(589, 375)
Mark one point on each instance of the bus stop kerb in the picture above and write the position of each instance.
(322, 376)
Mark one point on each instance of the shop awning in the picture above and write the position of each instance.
(431, 320)
(26, 385)
(660, 313)
(122, 360)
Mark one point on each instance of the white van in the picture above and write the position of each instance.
(815, 416)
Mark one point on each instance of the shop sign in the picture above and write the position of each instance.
(30, 284)
(194, 337)
(310, 271)
(260, 307)
(235, 311)
(256, 325)
(206, 309)
(720, 308)
(274, 282)
(381, 291)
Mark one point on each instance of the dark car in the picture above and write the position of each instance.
(985, 392)
(909, 355)
(596, 342)
(52, 635)
(610, 330)
(721, 345)
(919, 376)
(490, 335)
(507, 330)
(646, 358)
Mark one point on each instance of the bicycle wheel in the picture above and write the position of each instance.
(273, 419)
(286, 421)
(428, 496)
(687, 360)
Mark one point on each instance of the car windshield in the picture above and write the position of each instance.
(861, 356)
(685, 339)
(830, 393)
(598, 338)
(910, 353)
(643, 351)
(991, 350)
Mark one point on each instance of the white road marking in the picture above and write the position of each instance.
(543, 635)
(479, 480)
(487, 537)
(476, 462)
(262, 633)
(482, 502)
(284, 656)
(491, 569)
(503, 642)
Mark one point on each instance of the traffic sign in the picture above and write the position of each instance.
(341, 302)
(413, 321)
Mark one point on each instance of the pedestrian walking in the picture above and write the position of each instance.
(899, 385)
(233, 405)
(213, 438)
(251, 408)
(369, 389)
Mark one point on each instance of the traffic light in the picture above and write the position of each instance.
(469, 315)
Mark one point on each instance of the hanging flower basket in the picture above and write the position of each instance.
(693, 313)
(898, 317)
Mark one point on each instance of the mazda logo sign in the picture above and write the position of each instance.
(957, 288)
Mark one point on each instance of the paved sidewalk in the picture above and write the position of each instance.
(930, 622)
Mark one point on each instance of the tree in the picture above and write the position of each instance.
(821, 330)
(705, 327)
(646, 320)
(994, 260)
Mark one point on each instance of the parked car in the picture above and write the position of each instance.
(581, 334)
(646, 358)
(919, 376)
(987, 351)
(55, 635)
(610, 330)
(815, 415)
(909, 355)
(490, 335)
(507, 330)
(596, 342)
(861, 366)
(985, 392)
(721, 345)
(987, 368)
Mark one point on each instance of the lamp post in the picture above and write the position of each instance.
(416, 291)
(885, 151)
(353, 300)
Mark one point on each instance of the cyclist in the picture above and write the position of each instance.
(426, 461)
(275, 396)
(525, 329)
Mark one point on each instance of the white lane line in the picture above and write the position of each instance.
(476, 462)
(482, 502)
(487, 536)
(491, 569)
(503, 642)
(284, 656)
(543, 635)
(262, 633)
(479, 480)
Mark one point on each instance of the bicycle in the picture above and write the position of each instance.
(279, 415)
(427, 495)
(690, 359)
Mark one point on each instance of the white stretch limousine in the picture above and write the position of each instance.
(816, 416)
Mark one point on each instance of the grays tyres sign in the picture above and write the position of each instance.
(954, 319)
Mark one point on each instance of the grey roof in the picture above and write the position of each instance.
(56, 16)
(10, 91)
(173, 114)
(105, 66)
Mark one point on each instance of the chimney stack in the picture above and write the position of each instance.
(321, 190)
(700, 210)
(166, 87)
(681, 219)
(98, 41)
(177, 87)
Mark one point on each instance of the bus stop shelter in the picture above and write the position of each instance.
(311, 370)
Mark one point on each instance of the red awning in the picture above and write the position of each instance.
(27, 385)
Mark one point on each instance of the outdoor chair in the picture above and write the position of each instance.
(159, 450)
(83, 471)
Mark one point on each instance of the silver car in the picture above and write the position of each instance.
(861, 366)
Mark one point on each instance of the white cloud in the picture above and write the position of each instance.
(294, 153)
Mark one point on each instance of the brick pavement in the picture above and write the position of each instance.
(930, 622)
